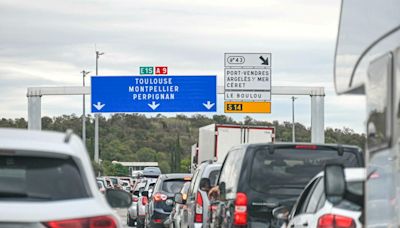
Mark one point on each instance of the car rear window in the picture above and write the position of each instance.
(291, 169)
(38, 178)
(173, 186)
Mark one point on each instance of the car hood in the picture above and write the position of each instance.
(50, 211)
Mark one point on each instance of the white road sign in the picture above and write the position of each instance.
(248, 95)
(247, 79)
(248, 60)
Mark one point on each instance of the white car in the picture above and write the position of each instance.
(47, 180)
(312, 209)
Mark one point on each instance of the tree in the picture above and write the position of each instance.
(146, 154)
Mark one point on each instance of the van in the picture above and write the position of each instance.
(257, 178)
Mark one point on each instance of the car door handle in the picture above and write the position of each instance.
(292, 226)
(305, 224)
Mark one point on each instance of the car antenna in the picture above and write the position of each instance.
(68, 135)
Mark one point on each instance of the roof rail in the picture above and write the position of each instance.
(68, 135)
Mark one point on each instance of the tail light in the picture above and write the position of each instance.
(93, 222)
(198, 217)
(335, 221)
(159, 197)
(135, 199)
(157, 220)
(240, 214)
(145, 200)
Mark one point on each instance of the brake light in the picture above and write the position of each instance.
(145, 200)
(93, 222)
(135, 199)
(306, 147)
(159, 197)
(157, 220)
(199, 208)
(335, 221)
(240, 214)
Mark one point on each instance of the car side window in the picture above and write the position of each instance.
(231, 171)
(315, 196)
(297, 209)
(191, 188)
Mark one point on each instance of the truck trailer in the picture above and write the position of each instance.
(216, 139)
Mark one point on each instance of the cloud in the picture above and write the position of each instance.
(49, 42)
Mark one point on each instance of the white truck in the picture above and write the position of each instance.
(216, 139)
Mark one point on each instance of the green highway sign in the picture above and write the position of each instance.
(146, 70)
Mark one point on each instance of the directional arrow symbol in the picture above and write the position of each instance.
(153, 105)
(208, 105)
(265, 61)
(99, 105)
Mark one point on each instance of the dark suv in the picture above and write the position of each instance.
(256, 178)
(162, 201)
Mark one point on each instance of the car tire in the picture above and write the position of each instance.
(139, 224)
(130, 222)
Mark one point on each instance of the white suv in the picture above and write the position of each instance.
(312, 208)
(47, 180)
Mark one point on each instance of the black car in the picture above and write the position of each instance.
(256, 178)
(162, 201)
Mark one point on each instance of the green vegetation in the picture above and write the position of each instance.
(134, 137)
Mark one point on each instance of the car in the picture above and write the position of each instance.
(177, 212)
(125, 185)
(151, 172)
(257, 178)
(132, 213)
(195, 213)
(313, 209)
(47, 180)
(106, 181)
(101, 187)
(162, 200)
(143, 200)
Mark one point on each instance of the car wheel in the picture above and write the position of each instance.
(130, 222)
(139, 224)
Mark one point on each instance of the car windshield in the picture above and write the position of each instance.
(173, 186)
(288, 170)
(37, 178)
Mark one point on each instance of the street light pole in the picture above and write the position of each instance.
(84, 73)
(96, 120)
(293, 127)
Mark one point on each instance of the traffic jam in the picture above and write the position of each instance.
(237, 175)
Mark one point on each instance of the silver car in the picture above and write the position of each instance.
(195, 214)
(132, 210)
(143, 201)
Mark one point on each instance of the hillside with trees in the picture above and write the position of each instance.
(167, 140)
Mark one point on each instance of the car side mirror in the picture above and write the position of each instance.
(136, 193)
(222, 191)
(205, 184)
(281, 213)
(179, 198)
(334, 183)
(118, 198)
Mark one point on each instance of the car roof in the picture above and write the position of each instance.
(351, 174)
(39, 143)
(294, 144)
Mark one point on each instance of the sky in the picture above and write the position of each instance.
(49, 42)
